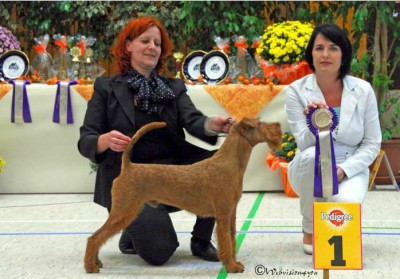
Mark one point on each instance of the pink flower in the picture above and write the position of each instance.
(7, 40)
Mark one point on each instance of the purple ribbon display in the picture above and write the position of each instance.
(318, 181)
(63, 98)
(16, 112)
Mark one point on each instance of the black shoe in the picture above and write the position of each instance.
(125, 244)
(204, 249)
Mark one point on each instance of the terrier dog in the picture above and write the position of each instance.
(209, 188)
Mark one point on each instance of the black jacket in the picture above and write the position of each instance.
(111, 108)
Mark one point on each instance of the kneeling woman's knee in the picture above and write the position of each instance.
(156, 252)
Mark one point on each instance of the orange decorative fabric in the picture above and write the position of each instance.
(243, 100)
(273, 163)
(4, 89)
(86, 91)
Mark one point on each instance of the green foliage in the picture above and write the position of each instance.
(381, 56)
(202, 20)
(93, 167)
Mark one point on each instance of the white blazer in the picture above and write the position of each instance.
(359, 127)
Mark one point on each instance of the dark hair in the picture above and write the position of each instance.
(336, 35)
(133, 29)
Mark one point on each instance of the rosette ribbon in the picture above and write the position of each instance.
(63, 106)
(20, 112)
(325, 174)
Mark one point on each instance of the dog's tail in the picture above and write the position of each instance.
(146, 128)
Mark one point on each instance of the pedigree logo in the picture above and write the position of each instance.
(336, 217)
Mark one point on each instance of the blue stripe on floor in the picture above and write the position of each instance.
(179, 232)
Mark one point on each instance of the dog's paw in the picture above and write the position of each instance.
(93, 268)
(237, 267)
(99, 263)
(240, 265)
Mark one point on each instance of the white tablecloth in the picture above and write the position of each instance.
(42, 156)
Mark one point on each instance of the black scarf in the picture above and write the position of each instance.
(150, 92)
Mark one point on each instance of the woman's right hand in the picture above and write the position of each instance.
(314, 105)
(114, 140)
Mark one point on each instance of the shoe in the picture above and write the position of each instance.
(307, 243)
(204, 249)
(307, 248)
(125, 244)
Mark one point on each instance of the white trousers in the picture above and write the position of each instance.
(301, 177)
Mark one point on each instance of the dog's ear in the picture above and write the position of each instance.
(249, 123)
(245, 125)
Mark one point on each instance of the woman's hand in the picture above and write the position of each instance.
(114, 140)
(340, 174)
(314, 105)
(220, 123)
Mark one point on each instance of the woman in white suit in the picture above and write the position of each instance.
(357, 137)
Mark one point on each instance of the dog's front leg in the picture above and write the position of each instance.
(225, 253)
(233, 235)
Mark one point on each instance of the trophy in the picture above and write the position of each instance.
(88, 65)
(178, 58)
(75, 62)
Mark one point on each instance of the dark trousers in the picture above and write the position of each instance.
(154, 237)
(153, 234)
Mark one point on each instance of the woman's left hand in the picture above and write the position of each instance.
(340, 174)
(220, 123)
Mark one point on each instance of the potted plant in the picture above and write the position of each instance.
(383, 57)
(281, 158)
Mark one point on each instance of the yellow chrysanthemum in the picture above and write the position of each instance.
(285, 42)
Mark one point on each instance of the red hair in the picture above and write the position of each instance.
(133, 29)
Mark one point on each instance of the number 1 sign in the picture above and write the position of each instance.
(337, 236)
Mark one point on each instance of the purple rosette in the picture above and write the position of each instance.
(321, 123)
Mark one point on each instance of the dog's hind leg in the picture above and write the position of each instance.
(225, 251)
(118, 220)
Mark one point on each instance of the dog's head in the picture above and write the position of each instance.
(256, 131)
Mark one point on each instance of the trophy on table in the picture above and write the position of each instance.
(75, 62)
(88, 64)
(178, 58)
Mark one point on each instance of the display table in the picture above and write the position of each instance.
(42, 156)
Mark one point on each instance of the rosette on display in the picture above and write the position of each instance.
(321, 123)
(20, 111)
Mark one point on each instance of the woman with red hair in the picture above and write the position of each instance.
(120, 106)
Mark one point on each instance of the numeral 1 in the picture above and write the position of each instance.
(337, 241)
